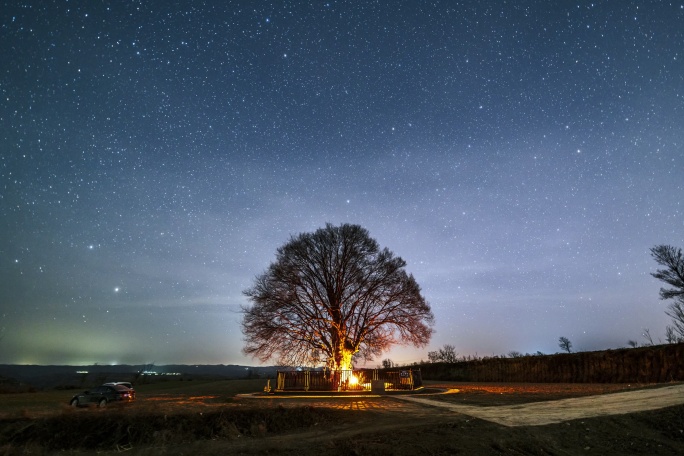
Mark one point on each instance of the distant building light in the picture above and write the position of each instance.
(160, 373)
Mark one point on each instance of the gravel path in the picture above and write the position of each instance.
(541, 413)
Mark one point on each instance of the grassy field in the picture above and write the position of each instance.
(43, 403)
(227, 388)
(205, 417)
(164, 414)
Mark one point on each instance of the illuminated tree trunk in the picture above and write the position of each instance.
(343, 358)
(343, 351)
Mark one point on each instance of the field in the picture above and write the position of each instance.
(208, 417)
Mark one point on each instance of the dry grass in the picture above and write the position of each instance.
(204, 418)
(494, 394)
(96, 429)
(165, 414)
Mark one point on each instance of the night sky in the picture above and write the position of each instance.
(521, 156)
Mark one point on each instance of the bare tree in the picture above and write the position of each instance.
(387, 363)
(565, 344)
(330, 295)
(673, 275)
(647, 335)
(676, 311)
(671, 335)
(446, 354)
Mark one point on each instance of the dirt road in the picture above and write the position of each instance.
(541, 413)
(496, 419)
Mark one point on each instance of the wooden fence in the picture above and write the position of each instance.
(349, 380)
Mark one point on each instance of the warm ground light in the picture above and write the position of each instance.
(210, 418)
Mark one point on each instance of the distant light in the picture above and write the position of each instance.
(116, 289)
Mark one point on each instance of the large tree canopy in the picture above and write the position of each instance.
(330, 295)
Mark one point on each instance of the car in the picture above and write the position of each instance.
(128, 385)
(103, 395)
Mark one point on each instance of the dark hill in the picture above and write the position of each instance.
(79, 376)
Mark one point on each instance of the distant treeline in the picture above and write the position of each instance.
(81, 376)
(652, 364)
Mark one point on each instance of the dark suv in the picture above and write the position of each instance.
(103, 395)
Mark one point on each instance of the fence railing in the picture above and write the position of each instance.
(349, 380)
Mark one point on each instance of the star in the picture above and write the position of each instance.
(520, 163)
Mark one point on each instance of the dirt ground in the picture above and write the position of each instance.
(448, 419)
(481, 419)
(559, 410)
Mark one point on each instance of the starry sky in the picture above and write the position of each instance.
(521, 156)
